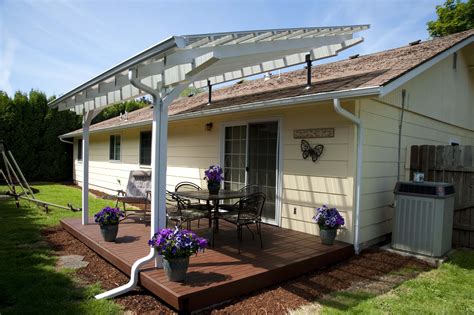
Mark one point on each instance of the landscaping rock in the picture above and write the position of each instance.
(71, 262)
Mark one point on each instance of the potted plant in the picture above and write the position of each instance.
(175, 247)
(214, 177)
(108, 219)
(329, 221)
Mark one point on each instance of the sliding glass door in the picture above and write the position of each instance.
(251, 158)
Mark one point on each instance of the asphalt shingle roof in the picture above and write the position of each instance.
(372, 70)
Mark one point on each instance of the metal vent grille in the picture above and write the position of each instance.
(431, 189)
(414, 227)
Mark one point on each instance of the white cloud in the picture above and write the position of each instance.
(7, 59)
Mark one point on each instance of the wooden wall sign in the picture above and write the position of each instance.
(313, 133)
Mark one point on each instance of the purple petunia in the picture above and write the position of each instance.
(174, 243)
(214, 174)
(328, 218)
(109, 216)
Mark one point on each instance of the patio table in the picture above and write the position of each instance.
(223, 194)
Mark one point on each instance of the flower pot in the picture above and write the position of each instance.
(213, 187)
(327, 236)
(176, 268)
(109, 232)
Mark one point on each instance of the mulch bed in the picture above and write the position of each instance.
(375, 269)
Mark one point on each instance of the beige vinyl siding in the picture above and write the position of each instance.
(440, 94)
(307, 185)
(191, 149)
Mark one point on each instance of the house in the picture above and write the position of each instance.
(254, 129)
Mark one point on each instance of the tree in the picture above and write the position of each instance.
(30, 130)
(453, 17)
(115, 110)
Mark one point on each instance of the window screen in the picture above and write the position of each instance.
(145, 148)
(114, 149)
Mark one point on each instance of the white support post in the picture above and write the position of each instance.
(87, 118)
(158, 166)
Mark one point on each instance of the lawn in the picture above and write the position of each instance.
(448, 289)
(29, 281)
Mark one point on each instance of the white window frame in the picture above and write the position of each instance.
(120, 149)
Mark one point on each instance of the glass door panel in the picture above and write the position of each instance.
(262, 161)
(251, 158)
(235, 155)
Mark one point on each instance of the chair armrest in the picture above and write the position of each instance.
(121, 193)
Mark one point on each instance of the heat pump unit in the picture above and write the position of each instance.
(423, 221)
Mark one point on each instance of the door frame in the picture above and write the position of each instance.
(279, 169)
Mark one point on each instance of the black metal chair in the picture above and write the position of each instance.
(192, 204)
(248, 189)
(249, 212)
(177, 211)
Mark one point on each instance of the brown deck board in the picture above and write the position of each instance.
(219, 273)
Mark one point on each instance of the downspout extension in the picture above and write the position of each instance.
(152, 254)
(360, 141)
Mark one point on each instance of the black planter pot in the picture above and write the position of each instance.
(176, 268)
(327, 236)
(109, 232)
(213, 187)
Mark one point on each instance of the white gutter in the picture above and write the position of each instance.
(65, 141)
(360, 142)
(289, 101)
(357, 92)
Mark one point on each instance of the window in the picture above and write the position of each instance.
(145, 148)
(114, 149)
(79, 149)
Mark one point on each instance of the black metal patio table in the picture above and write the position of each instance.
(223, 194)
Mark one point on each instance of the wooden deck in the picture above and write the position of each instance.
(220, 273)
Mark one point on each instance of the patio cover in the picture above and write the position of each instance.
(167, 68)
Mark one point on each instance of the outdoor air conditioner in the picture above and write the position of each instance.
(423, 221)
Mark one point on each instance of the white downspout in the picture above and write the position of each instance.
(158, 176)
(87, 118)
(360, 142)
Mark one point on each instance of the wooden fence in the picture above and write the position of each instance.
(452, 164)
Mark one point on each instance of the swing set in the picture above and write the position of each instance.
(18, 187)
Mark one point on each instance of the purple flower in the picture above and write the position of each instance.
(214, 174)
(172, 243)
(328, 218)
(109, 216)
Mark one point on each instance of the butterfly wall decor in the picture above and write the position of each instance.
(307, 150)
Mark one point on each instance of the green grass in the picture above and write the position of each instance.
(28, 280)
(448, 289)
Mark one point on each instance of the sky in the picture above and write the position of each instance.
(56, 45)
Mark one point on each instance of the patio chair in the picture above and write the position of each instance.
(177, 211)
(248, 189)
(249, 211)
(138, 191)
(196, 204)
